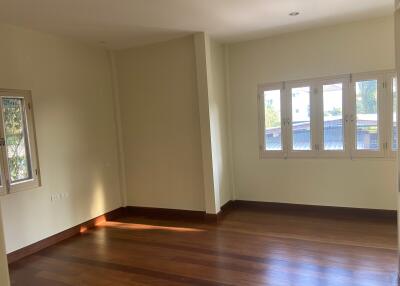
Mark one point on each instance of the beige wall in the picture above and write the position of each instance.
(354, 47)
(397, 39)
(218, 109)
(397, 48)
(161, 128)
(4, 279)
(73, 105)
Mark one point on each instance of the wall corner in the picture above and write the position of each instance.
(118, 129)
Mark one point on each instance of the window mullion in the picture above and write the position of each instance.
(314, 122)
(389, 111)
(285, 121)
(351, 118)
(317, 124)
(347, 111)
(382, 115)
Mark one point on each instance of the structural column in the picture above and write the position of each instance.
(201, 43)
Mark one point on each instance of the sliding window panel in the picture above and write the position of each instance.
(332, 117)
(271, 101)
(20, 153)
(391, 112)
(301, 119)
(367, 117)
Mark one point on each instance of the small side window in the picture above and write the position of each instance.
(19, 163)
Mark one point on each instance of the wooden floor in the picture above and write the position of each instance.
(249, 247)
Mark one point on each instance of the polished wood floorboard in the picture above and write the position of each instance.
(248, 247)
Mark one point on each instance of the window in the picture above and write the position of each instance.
(300, 121)
(341, 116)
(19, 167)
(273, 129)
(332, 110)
(333, 116)
(367, 135)
(271, 120)
(301, 118)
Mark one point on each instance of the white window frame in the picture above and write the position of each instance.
(385, 107)
(3, 183)
(261, 104)
(34, 182)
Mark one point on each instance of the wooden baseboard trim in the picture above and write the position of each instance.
(54, 239)
(313, 210)
(157, 213)
(176, 214)
(229, 205)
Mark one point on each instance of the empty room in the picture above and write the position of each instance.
(199, 142)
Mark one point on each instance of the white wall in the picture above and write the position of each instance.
(354, 47)
(397, 50)
(218, 109)
(161, 128)
(73, 108)
(4, 279)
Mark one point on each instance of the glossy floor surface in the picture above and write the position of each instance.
(248, 247)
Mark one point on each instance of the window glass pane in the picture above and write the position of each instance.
(16, 138)
(333, 116)
(273, 129)
(301, 123)
(394, 132)
(367, 135)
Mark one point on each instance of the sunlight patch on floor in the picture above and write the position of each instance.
(136, 226)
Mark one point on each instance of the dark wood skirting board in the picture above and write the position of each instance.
(164, 213)
(189, 215)
(173, 214)
(314, 210)
(176, 214)
(54, 239)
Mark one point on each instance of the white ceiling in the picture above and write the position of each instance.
(126, 23)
